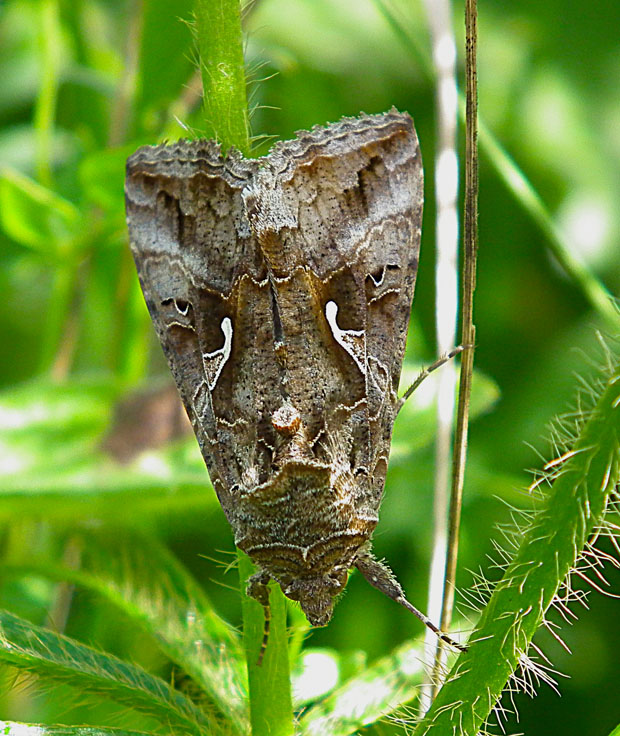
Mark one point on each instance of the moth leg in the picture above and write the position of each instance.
(258, 589)
(381, 577)
(427, 371)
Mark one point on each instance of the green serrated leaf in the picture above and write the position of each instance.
(140, 577)
(549, 549)
(61, 659)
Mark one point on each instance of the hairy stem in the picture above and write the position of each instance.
(226, 117)
(220, 46)
(550, 549)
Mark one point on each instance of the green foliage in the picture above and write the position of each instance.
(10, 728)
(271, 709)
(107, 548)
(141, 578)
(552, 546)
(56, 657)
(37, 217)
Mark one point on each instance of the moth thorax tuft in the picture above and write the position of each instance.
(286, 420)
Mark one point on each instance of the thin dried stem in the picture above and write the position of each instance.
(468, 331)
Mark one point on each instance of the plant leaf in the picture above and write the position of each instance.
(140, 577)
(61, 659)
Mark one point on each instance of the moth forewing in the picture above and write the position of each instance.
(280, 289)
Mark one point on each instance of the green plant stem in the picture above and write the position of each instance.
(271, 708)
(220, 46)
(550, 549)
(45, 109)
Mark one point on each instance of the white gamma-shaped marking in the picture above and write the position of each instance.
(351, 340)
(215, 361)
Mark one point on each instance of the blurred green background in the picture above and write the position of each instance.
(83, 83)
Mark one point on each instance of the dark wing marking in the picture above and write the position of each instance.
(192, 245)
(283, 280)
(342, 205)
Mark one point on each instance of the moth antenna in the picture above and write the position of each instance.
(263, 646)
(427, 371)
(382, 578)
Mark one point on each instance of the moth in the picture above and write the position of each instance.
(280, 288)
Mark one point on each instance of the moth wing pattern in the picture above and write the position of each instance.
(355, 194)
(280, 289)
(348, 212)
(191, 242)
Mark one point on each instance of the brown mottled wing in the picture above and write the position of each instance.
(346, 202)
(283, 280)
(193, 247)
